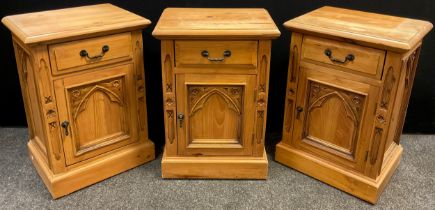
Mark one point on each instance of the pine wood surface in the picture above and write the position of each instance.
(213, 23)
(64, 59)
(86, 115)
(60, 24)
(244, 53)
(368, 61)
(344, 117)
(215, 105)
(383, 31)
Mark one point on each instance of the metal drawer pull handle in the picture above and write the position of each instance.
(104, 49)
(227, 53)
(349, 57)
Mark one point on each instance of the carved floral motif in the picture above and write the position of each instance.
(51, 113)
(170, 101)
(52, 125)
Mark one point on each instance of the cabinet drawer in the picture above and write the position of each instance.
(216, 53)
(77, 55)
(357, 58)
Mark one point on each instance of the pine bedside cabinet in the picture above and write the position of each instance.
(215, 66)
(349, 81)
(82, 79)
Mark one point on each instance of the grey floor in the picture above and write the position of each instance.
(412, 186)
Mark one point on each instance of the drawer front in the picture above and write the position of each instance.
(78, 55)
(365, 60)
(216, 53)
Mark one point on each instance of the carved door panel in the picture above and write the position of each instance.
(215, 114)
(332, 117)
(96, 112)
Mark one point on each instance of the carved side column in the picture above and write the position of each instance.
(137, 44)
(169, 103)
(264, 47)
(22, 59)
(384, 109)
(292, 81)
(409, 67)
(56, 158)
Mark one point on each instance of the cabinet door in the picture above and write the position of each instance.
(332, 117)
(215, 114)
(96, 112)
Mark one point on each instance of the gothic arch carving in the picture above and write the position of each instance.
(198, 103)
(351, 104)
(81, 96)
(348, 108)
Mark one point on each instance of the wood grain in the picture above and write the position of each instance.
(367, 60)
(62, 184)
(292, 82)
(343, 120)
(231, 167)
(243, 53)
(87, 119)
(169, 97)
(383, 31)
(65, 57)
(46, 99)
(353, 183)
(85, 102)
(262, 91)
(334, 119)
(139, 80)
(215, 111)
(213, 23)
(71, 23)
(218, 114)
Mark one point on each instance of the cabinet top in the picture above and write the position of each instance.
(389, 32)
(74, 22)
(198, 23)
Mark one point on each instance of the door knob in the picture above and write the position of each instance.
(180, 118)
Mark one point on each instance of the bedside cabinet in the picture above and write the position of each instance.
(215, 66)
(349, 80)
(82, 79)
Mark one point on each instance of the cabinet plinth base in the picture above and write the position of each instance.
(358, 185)
(89, 173)
(215, 167)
